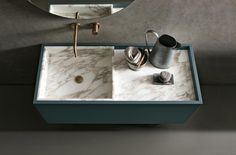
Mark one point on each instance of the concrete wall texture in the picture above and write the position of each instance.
(210, 25)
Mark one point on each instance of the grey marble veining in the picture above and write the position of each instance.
(60, 68)
(138, 85)
(107, 76)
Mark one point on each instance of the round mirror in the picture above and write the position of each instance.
(81, 9)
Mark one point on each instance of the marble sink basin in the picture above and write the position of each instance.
(110, 92)
(60, 69)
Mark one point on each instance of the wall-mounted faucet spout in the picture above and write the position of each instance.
(76, 29)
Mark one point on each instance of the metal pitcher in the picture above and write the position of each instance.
(161, 55)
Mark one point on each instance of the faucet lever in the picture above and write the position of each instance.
(95, 28)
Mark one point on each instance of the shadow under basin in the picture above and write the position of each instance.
(17, 113)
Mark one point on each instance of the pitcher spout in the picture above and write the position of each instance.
(178, 45)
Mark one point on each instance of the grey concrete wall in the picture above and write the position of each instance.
(208, 25)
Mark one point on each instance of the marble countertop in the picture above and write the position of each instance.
(138, 85)
(107, 76)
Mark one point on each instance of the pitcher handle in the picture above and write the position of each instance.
(146, 38)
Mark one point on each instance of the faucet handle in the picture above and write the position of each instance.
(95, 28)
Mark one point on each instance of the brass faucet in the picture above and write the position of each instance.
(76, 29)
(95, 29)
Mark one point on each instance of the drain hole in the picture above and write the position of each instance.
(79, 79)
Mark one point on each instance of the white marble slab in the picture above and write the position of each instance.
(60, 68)
(107, 76)
(138, 85)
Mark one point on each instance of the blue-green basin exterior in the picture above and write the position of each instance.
(119, 112)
